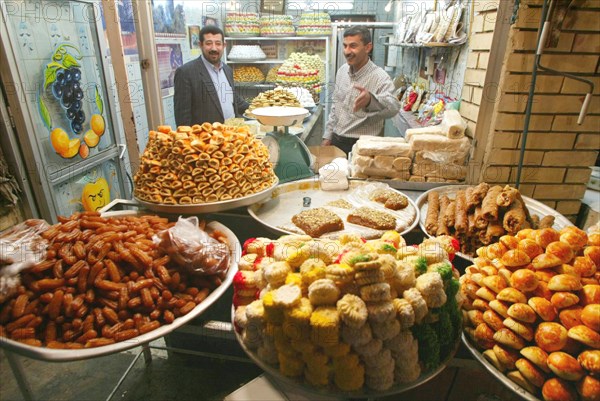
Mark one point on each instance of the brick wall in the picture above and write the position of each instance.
(558, 151)
(480, 42)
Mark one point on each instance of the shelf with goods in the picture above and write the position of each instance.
(277, 50)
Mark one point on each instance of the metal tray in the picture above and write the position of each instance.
(366, 393)
(246, 60)
(209, 207)
(534, 207)
(287, 201)
(66, 355)
(526, 395)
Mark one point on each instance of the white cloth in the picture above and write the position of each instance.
(334, 176)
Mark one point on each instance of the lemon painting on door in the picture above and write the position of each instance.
(95, 195)
(63, 80)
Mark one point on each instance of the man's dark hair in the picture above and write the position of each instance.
(362, 31)
(210, 29)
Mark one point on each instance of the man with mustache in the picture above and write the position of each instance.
(204, 89)
(363, 97)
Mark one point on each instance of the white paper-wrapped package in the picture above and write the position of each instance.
(334, 176)
(433, 130)
(382, 148)
(453, 125)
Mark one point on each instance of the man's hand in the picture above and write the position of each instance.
(326, 142)
(363, 99)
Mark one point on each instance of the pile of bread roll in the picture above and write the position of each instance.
(532, 303)
(429, 154)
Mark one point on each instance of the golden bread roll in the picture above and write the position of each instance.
(481, 261)
(546, 236)
(475, 317)
(550, 336)
(530, 247)
(584, 266)
(493, 359)
(489, 270)
(493, 319)
(590, 294)
(537, 356)
(522, 329)
(495, 283)
(481, 305)
(515, 258)
(506, 356)
(470, 270)
(571, 317)
(591, 280)
(522, 312)
(564, 282)
(563, 299)
(543, 308)
(565, 366)
(484, 336)
(499, 307)
(511, 295)
(590, 316)
(470, 288)
(575, 237)
(486, 293)
(546, 261)
(494, 251)
(589, 389)
(556, 389)
(567, 269)
(594, 239)
(590, 361)
(509, 338)
(542, 291)
(505, 274)
(509, 241)
(477, 278)
(518, 378)
(531, 372)
(561, 250)
(545, 274)
(593, 252)
(585, 335)
(526, 233)
(524, 280)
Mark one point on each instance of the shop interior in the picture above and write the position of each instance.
(478, 203)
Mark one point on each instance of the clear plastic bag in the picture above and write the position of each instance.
(21, 247)
(193, 249)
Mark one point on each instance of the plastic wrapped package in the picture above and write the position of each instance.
(21, 247)
(193, 249)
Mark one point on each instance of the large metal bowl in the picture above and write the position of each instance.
(280, 116)
(66, 355)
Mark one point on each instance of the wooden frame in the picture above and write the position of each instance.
(272, 6)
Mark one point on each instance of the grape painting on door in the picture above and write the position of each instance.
(72, 133)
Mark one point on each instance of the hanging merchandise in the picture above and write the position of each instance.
(439, 75)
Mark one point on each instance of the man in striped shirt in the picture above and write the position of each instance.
(363, 95)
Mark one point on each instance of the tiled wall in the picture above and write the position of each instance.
(558, 151)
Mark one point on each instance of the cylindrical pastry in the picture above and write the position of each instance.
(449, 214)
(461, 223)
(589, 388)
(515, 217)
(476, 195)
(433, 210)
(489, 207)
(442, 229)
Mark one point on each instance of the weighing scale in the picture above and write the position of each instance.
(288, 153)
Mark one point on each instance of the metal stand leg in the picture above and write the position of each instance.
(124, 376)
(147, 354)
(17, 369)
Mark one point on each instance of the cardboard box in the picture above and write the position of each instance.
(325, 154)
